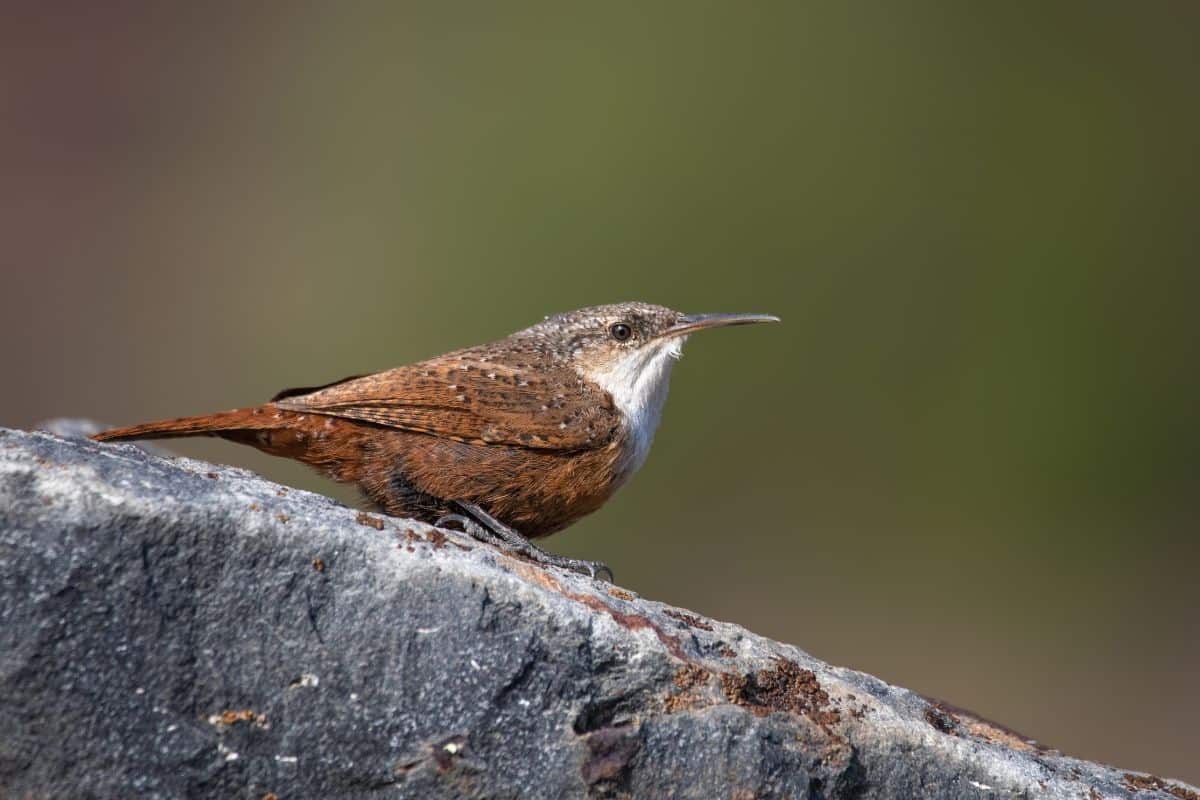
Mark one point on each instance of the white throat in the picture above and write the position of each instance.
(638, 385)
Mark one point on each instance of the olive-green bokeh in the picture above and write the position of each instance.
(967, 461)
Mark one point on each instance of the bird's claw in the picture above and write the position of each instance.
(590, 568)
(600, 568)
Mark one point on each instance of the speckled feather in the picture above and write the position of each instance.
(463, 397)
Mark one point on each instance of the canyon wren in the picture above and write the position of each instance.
(510, 440)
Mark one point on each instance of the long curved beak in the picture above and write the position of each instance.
(697, 322)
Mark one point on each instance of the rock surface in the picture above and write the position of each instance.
(171, 628)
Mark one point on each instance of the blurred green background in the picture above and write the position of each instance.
(967, 462)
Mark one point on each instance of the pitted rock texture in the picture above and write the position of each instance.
(171, 628)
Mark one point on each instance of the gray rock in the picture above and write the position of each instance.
(170, 628)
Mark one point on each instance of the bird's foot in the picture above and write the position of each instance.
(471, 528)
(486, 528)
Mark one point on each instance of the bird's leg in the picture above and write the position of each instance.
(471, 528)
(483, 533)
(493, 531)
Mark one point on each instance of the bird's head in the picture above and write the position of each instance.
(627, 348)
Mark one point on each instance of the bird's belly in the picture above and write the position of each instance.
(537, 492)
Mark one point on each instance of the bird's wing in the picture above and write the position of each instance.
(469, 399)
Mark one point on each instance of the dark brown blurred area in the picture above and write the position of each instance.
(968, 460)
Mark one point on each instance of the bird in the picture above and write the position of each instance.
(511, 440)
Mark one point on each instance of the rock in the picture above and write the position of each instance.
(172, 628)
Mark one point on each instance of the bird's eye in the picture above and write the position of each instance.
(621, 332)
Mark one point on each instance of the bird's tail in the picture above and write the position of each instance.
(331, 445)
(238, 421)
